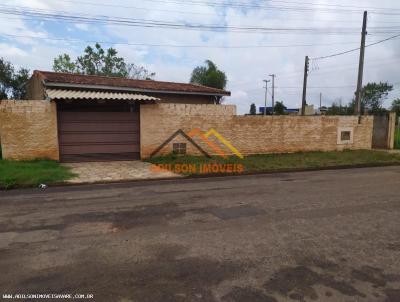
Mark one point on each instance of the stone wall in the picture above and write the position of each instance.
(28, 129)
(249, 134)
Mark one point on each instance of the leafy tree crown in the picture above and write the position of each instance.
(12, 81)
(97, 61)
(209, 75)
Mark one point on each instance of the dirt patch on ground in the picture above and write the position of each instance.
(394, 246)
(120, 220)
(392, 295)
(138, 216)
(323, 264)
(157, 214)
(238, 294)
(163, 278)
(88, 229)
(297, 283)
(369, 274)
(187, 279)
(236, 212)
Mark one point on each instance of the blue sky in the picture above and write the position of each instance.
(32, 43)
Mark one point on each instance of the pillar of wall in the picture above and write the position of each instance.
(28, 129)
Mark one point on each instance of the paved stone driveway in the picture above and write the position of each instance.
(92, 172)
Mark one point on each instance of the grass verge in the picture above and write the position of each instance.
(397, 139)
(276, 162)
(31, 173)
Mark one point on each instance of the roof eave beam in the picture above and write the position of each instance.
(126, 89)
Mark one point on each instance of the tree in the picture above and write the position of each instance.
(396, 107)
(63, 63)
(97, 61)
(338, 109)
(253, 109)
(335, 109)
(373, 95)
(279, 108)
(12, 82)
(209, 75)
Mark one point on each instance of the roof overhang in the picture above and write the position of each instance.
(127, 89)
(64, 94)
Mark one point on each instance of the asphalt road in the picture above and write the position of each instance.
(312, 236)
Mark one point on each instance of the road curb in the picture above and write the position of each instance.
(221, 175)
(210, 176)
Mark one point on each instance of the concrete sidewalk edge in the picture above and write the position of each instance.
(219, 175)
(205, 176)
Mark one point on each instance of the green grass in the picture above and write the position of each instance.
(31, 173)
(276, 162)
(397, 139)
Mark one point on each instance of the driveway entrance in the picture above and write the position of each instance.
(89, 131)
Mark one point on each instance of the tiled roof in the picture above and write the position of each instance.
(120, 83)
(62, 94)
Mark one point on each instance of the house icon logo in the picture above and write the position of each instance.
(187, 137)
(204, 136)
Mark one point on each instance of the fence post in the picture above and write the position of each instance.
(391, 130)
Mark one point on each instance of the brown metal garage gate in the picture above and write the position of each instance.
(97, 134)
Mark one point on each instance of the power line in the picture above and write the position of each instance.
(354, 66)
(146, 23)
(355, 49)
(334, 5)
(327, 71)
(202, 13)
(85, 18)
(267, 3)
(175, 45)
(162, 24)
(283, 88)
(301, 8)
(135, 7)
(97, 4)
(317, 87)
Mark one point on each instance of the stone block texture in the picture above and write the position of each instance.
(28, 129)
(249, 134)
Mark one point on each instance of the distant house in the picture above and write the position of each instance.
(292, 111)
(261, 110)
(323, 110)
(309, 110)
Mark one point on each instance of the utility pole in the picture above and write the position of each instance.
(273, 92)
(357, 110)
(304, 102)
(266, 91)
(320, 100)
